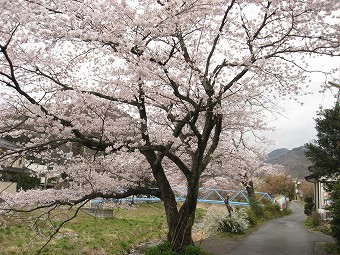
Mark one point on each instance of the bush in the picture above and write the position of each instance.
(25, 181)
(217, 220)
(332, 248)
(236, 223)
(256, 207)
(165, 249)
(161, 249)
(316, 219)
(308, 200)
(268, 212)
(192, 250)
(252, 218)
(272, 211)
(335, 212)
(309, 205)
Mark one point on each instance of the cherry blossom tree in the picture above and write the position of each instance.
(239, 165)
(279, 184)
(146, 89)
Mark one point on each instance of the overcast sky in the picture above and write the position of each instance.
(296, 125)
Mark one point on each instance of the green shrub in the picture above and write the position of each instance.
(308, 200)
(267, 212)
(332, 248)
(165, 249)
(266, 201)
(309, 205)
(252, 218)
(161, 249)
(286, 212)
(316, 219)
(256, 207)
(272, 211)
(335, 212)
(192, 250)
(308, 222)
(25, 181)
(236, 223)
(308, 209)
(217, 220)
(313, 220)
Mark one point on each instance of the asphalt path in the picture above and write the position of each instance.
(282, 236)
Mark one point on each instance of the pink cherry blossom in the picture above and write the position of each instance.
(116, 97)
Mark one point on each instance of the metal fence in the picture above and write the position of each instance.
(205, 195)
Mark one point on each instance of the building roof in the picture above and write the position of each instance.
(7, 144)
(311, 178)
(10, 169)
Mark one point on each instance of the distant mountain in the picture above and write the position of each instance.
(295, 162)
(277, 153)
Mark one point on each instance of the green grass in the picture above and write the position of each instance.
(165, 249)
(332, 248)
(322, 227)
(88, 235)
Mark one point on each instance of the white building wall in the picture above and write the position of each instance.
(9, 187)
(322, 200)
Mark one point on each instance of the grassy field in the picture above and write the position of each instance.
(86, 235)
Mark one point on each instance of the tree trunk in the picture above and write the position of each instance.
(229, 208)
(180, 224)
(250, 190)
(180, 229)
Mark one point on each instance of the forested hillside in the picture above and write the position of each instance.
(294, 161)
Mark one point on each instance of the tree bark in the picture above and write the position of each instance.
(179, 222)
(180, 227)
(250, 190)
(229, 208)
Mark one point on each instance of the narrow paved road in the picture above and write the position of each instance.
(281, 236)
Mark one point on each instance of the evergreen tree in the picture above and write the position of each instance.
(325, 155)
(324, 152)
(335, 210)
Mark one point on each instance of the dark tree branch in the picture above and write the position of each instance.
(215, 140)
(142, 114)
(181, 165)
(175, 87)
(95, 93)
(88, 142)
(186, 55)
(217, 37)
(57, 229)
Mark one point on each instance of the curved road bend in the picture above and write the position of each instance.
(282, 236)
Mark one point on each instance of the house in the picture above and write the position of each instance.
(9, 187)
(7, 146)
(322, 198)
(17, 174)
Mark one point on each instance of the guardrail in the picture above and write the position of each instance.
(205, 195)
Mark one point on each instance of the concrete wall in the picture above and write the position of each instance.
(9, 187)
